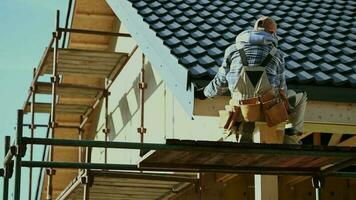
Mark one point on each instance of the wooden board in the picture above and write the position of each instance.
(60, 108)
(86, 62)
(129, 185)
(68, 90)
(244, 158)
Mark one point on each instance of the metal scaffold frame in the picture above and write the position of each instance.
(18, 150)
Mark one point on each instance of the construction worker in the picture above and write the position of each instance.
(256, 45)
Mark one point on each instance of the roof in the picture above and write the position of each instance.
(318, 37)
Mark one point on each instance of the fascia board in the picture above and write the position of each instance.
(174, 74)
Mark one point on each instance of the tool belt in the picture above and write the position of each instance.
(270, 107)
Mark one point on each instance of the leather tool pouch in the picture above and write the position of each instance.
(284, 98)
(274, 112)
(251, 109)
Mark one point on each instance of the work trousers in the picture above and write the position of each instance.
(298, 103)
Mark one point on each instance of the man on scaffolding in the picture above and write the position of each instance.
(253, 70)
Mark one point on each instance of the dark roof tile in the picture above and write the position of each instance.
(158, 26)
(212, 71)
(182, 19)
(181, 33)
(341, 68)
(321, 41)
(206, 61)
(338, 79)
(173, 26)
(197, 71)
(215, 52)
(297, 56)
(291, 39)
(197, 34)
(197, 51)
(180, 50)
(172, 42)
(286, 47)
(213, 35)
(187, 60)
(346, 59)
(333, 50)
(204, 14)
(205, 27)
(325, 67)
(292, 65)
(336, 43)
(302, 48)
(189, 42)
(309, 66)
(206, 43)
(310, 34)
(165, 34)
(348, 51)
(290, 76)
(304, 77)
(329, 58)
(321, 78)
(314, 57)
(352, 79)
(190, 27)
(221, 43)
(318, 49)
(151, 19)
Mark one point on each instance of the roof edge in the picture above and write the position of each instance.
(174, 75)
(327, 93)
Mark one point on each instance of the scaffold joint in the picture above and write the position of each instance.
(142, 85)
(141, 130)
(32, 126)
(55, 79)
(21, 150)
(106, 93)
(317, 181)
(52, 125)
(106, 130)
(50, 171)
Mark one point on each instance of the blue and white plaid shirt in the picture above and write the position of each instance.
(257, 44)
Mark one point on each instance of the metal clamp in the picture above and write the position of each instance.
(106, 130)
(50, 171)
(141, 130)
(55, 79)
(318, 182)
(52, 125)
(21, 150)
(32, 126)
(142, 85)
(106, 93)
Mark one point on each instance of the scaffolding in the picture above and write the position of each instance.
(189, 156)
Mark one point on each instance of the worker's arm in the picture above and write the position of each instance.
(219, 85)
(281, 76)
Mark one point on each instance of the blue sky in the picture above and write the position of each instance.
(26, 27)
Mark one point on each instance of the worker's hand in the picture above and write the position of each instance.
(199, 93)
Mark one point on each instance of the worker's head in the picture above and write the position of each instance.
(266, 24)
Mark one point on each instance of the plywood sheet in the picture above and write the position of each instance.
(244, 158)
(86, 62)
(129, 185)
